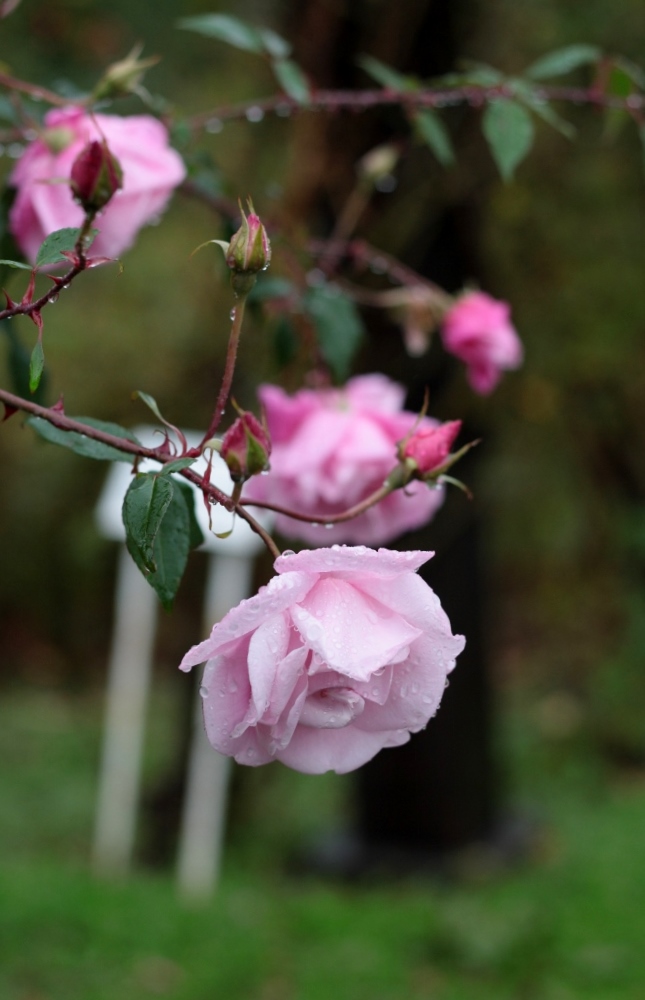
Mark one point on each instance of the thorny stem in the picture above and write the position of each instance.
(35, 91)
(361, 100)
(59, 419)
(346, 515)
(229, 368)
(26, 309)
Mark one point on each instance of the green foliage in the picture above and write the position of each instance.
(292, 80)
(508, 128)
(36, 365)
(161, 529)
(432, 130)
(226, 29)
(565, 922)
(18, 358)
(386, 75)
(563, 61)
(82, 445)
(338, 325)
(51, 250)
(144, 506)
(285, 341)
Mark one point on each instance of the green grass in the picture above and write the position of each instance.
(569, 924)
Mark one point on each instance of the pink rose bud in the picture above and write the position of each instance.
(245, 448)
(344, 652)
(248, 252)
(429, 447)
(96, 176)
(477, 330)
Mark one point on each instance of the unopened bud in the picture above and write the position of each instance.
(124, 77)
(245, 448)
(378, 163)
(96, 176)
(248, 252)
(427, 450)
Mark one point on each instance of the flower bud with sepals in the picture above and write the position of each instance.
(246, 448)
(95, 177)
(248, 252)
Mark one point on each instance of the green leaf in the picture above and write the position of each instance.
(174, 536)
(432, 130)
(292, 80)
(36, 366)
(144, 505)
(8, 112)
(481, 74)
(83, 445)
(508, 128)
(526, 93)
(338, 325)
(195, 533)
(18, 364)
(563, 61)
(271, 288)
(275, 45)
(285, 341)
(176, 466)
(61, 239)
(387, 76)
(16, 263)
(227, 29)
(150, 401)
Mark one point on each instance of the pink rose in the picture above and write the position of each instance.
(477, 330)
(429, 447)
(331, 448)
(345, 652)
(151, 170)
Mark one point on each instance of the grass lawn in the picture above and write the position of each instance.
(569, 924)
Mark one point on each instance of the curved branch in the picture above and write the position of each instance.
(361, 100)
(345, 515)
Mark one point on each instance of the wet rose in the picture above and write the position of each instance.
(346, 651)
(43, 203)
(332, 448)
(477, 329)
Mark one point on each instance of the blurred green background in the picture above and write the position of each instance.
(563, 489)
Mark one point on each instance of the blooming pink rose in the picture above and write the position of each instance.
(345, 652)
(477, 330)
(151, 170)
(331, 448)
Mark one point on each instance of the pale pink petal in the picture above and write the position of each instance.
(349, 631)
(352, 559)
(276, 597)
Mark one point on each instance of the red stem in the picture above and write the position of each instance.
(346, 515)
(229, 368)
(360, 100)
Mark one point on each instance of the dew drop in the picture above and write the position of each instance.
(254, 114)
(203, 692)
(288, 552)
(231, 315)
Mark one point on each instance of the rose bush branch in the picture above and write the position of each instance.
(57, 417)
(361, 100)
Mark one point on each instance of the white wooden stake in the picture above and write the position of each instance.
(204, 811)
(128, 683)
